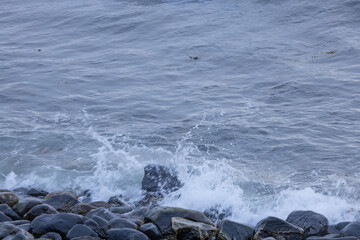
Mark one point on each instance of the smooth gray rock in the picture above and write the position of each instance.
(80, 231)
(125, 234)
(36, 193)
(60, 223)
(278, 229)
(351, 229)
(39, 210)
(314, 224)
(332, 229)
(61, 202)
(4, 218)
(151, 230)
(331, 238)
(341, 225)
(161, 217)
(12, 232)
(101, 231)
(25, 204)
(103, 213)
(25, 226)
(121, 223)
(8, 198)
(120, 210)
(189, 230)
(9, 212)
(52, 236)
(229, 230)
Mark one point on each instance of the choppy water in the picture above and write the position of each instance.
(255, 103)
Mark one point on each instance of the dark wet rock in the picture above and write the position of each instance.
(82, 209)
(25, 204)
(12, 232)
(351, 229)
(61, 202)
(268, 238)
(151, 230)
(36, 193)
(277, 228)
(189, 230)
(116, 201)
(39, 210)
(103, 213)
(61, 193)
(99, 204)
(80, 231)
(85, 238)
(331, 237)
(332, 229)
(125, 234)
(313, 224)
(150, 199)
(139, 212)
(121, 210)
(4, 218)
(101, 231)
(161, 217)
(121, 223)
(60, 223)
(160, 179)
(8, 198)
(341, 225)
(9, 212)
(100, 221)
(229, 230)
(135, 220)
(216, 214)
(4, 190)
(25, 226)
(52, 236)
(19, 222)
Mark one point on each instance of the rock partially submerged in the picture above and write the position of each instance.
(229, 230)
(314, 224)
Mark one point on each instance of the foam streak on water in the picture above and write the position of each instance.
(254, 103)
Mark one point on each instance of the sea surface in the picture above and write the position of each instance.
(255, 103)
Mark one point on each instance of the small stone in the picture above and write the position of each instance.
(8, 198)
(98, 204)
(80, 231)
(314, 224)
(9, 212)
(125, 234)
(39, 210)
(189, 230)
(229, 230)
(81, 208)
(151, 230)
(101, 231)
(52, 236)
(60, 193)
(161, 217)
(103, 213)
(25, 204)
(121, 223)
(120, 210)
(61, 202)
(36, 193)
(278, 229)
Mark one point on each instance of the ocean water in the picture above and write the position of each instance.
(254, 103)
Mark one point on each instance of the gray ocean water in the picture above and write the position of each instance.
(255, 103)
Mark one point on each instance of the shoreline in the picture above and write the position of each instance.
(36, 214)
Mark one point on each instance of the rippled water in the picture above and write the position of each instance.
(255, 103)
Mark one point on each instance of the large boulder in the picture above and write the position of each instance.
(39, 210)
(60, 223)
(151, 230)
(61, 202)
(314, 224)
(25, 204)
(8, 198)
(12, 232)
(125, 234)
(277, 228)
(160, 179)
(351, 229)
(8, 212)
(229, 230)
(121, 223)
(161, 217)
(189, 230)
(80, 231)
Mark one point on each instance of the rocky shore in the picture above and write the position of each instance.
(27, 214)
